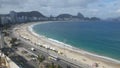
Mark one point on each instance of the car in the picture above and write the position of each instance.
(34, 59)
(33, 49)
(53, 58)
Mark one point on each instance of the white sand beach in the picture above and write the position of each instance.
(25, 31)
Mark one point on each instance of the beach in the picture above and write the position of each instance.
(80, 56)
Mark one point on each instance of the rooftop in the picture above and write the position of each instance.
(6, 62)
(3, 62)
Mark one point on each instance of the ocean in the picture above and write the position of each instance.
(101, 38)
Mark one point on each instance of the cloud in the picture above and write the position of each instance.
(45, 6)
(99, 8)
(118, 11)
(70, 3)
(46, 3)
(11, 3)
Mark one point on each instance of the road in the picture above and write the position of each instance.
(64, 62)
(39, 50)
(10, 52)
(45, 52)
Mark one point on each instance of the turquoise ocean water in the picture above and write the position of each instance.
(102, 38)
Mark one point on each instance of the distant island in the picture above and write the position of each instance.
(115, 19)
(32, 16)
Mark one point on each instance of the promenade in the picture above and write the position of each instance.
(80, 59)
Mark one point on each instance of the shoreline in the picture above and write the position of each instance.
(71, 48)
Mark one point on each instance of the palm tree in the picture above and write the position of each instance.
(58, 66)
(52, 65)
(40, 59)
(13, 40)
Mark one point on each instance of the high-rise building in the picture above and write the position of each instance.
(5, 19)
(13, 16)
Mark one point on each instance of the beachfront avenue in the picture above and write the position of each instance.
(39, 51)
(56, 52)
(51, 56)
(27, 49)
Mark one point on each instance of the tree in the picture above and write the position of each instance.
(40, 59)
(52, 65)
(13, 41)
(58, 66)
(5, 33)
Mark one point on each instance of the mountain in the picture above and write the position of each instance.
(117, 19)
(64, 16)
(95, 19)
(37, 16)
(79, 15)
(30, 14)
(113, 19)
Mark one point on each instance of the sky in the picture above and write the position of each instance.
(89, 8)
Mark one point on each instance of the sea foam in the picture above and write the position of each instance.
(70, 47)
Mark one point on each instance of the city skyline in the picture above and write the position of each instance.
(89, 8)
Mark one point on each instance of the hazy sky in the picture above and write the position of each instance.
(98, 8)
